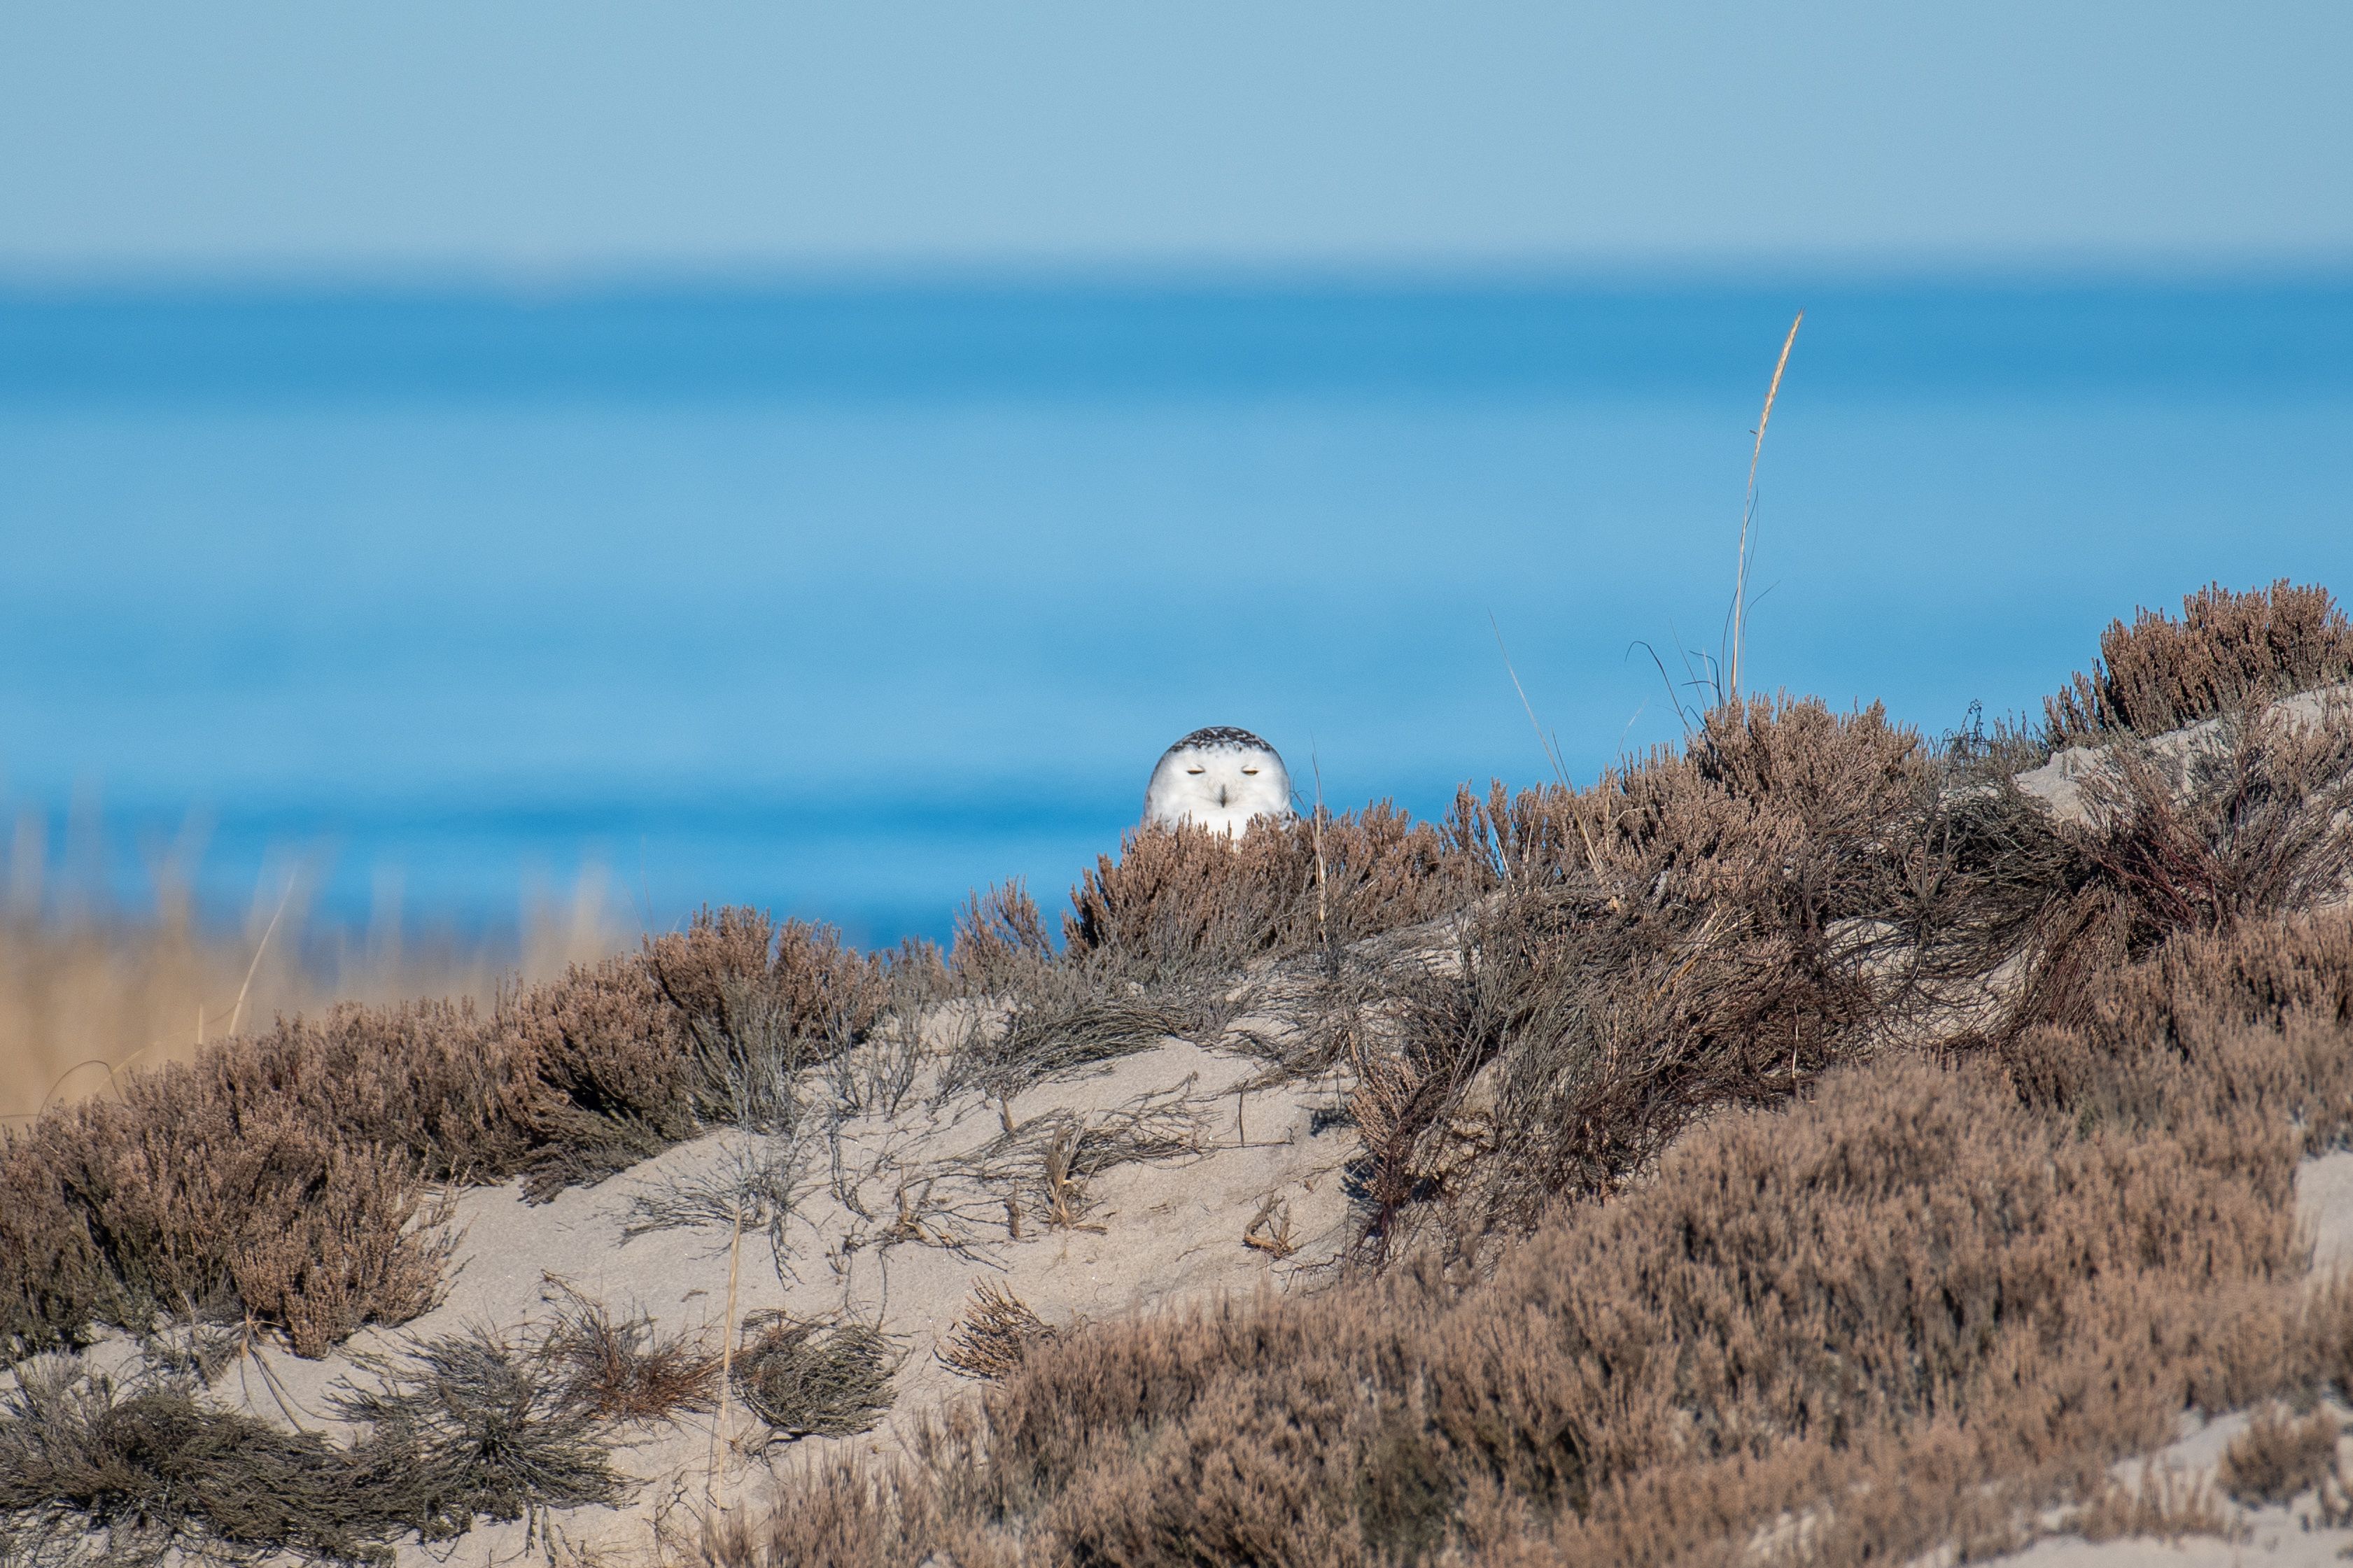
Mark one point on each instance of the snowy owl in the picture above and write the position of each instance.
(1219, 778)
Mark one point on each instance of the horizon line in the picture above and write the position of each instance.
(524, 281)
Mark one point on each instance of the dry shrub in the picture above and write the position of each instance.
(1908, 1309)
(842, 1515)
(285, 1172)
(1980, 755)
(880, 1070)
(612, 1078)
(2228, 650)
(2259, 1015)
(477, 1427)
(146, 1469)
(2279, 1455)
(750, 1185)
(2250, 821)
(995, 1331)
(1716, 926)
(759, 1002)
(1000, 941)
(621, 1369)
(164, 1204)
(1059, 1012)
(1184, 897)
(1157, 938)
(804, 1377)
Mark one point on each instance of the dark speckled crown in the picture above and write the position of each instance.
(1222, 736)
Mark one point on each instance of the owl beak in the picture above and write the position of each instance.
(1222, 796)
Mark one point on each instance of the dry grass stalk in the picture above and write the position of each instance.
(727, 1354)
(1748, 514)
(260, 950)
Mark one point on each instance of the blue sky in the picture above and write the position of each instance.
(528, 137)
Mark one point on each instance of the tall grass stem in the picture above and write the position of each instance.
(1748, 516)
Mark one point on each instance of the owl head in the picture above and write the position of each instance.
(1217, 778)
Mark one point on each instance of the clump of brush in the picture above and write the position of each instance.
(994, 1335)
(619, 1367)
(810, 1377)
(464, 1426)
(2227, 651)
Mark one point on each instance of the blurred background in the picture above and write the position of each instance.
(483, 478)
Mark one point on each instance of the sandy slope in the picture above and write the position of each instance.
(916, 1218)
(896, 1216)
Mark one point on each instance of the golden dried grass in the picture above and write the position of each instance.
(88, 994)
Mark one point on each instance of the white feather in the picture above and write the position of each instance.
(1219, 779)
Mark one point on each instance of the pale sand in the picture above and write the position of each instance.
(1171, 1235)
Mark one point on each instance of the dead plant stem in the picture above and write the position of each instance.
(236, 1014)
(1749, 515)
(726, 1352)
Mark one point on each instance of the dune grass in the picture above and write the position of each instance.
(90, 992)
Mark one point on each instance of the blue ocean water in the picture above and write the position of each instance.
(846, 598)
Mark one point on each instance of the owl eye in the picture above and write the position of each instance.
(1252, 772)
(1197, 770)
